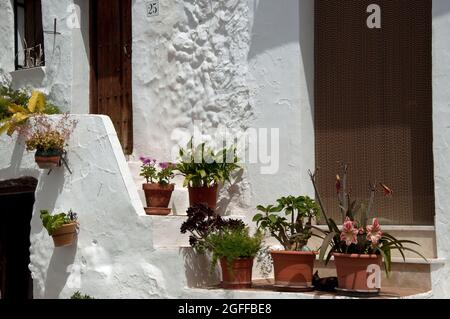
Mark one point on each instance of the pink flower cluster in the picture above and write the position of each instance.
(350, 232)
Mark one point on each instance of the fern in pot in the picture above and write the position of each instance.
(290, 222)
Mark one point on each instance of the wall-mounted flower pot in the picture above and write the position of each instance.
(203, 195)
(293, 270)
(238, 275)
(353, 272)
(158, 197)
(65, 235)
(48, 159)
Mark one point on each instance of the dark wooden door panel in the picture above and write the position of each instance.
(373, 104)
(111, 64)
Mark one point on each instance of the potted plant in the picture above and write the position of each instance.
(293, 266)
(360, 246)
(48, 138)
(62, 227)
(204, 170)
(236, 250)
(158, 189)
(206, 228)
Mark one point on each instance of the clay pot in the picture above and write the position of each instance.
(47, 162)
(203, 195)
(158, 196)
(238, 275)
(293, 269)
(352, 271)
(65, 235)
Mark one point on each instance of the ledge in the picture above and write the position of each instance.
(263, 289)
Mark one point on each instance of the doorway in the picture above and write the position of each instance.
(373, 104)
(16, 209)
(111, 87)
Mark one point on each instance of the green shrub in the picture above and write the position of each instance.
(78, 295)
(232, 244)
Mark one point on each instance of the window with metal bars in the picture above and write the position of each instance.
(28, 34)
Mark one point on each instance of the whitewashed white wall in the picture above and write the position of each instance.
(441, 121)
(237, 63)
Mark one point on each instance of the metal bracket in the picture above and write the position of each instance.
(63, 161)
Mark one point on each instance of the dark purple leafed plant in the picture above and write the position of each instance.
(201, 221)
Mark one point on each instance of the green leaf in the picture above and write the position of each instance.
(325, 245)
(257, 217)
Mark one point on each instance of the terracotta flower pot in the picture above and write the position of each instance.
(203, 195)
(293, 269)
(353, 272)
(157, 195)
(65, 235)
(47, 162)
(238, 275)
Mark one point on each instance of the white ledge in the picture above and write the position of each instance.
(395, 228)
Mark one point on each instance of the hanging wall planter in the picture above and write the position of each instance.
(65, 235)
(62, 227)
(48, 159)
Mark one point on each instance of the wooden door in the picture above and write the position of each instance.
(373, 104)
(111, 66)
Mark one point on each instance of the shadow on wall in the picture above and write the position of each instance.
(49, 189)
(14, 171)
(197, 270)
(277, 23)
(231, 191)
(57, 272)
(440, 8)
(274, 25)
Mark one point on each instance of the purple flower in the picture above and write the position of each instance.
(147, 160)
(164, 165)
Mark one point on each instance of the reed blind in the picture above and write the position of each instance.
(373, 105)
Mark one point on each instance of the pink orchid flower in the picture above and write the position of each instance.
(374, 232)
(349, 232)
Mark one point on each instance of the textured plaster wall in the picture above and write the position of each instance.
(6, 39)
(235, 64)
(441, 120)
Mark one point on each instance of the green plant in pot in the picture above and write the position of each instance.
(360, 247)
(48, 138)
(158, 189)
(290, 222)
(62, 227)
(236, 249)
(204, 170)
(228, 241)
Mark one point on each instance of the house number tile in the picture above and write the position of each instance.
(153, 8)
